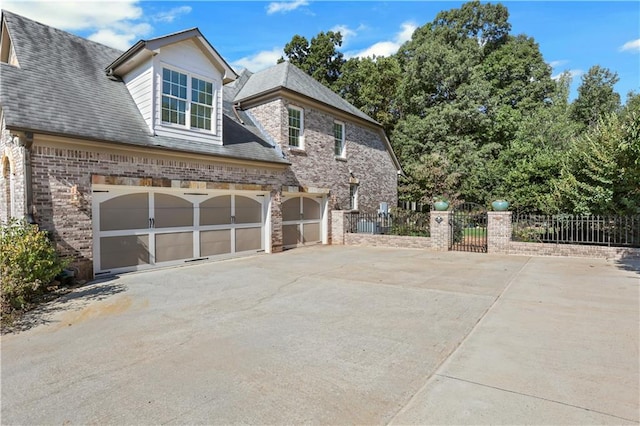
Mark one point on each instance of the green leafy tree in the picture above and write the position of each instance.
(320, 57)
(602, 168)
(528, 167)
(371, 85)
(596, 96)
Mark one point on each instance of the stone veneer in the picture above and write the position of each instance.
(316, 165)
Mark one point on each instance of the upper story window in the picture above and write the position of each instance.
(194, 111)
(338, 137)
(296, 127)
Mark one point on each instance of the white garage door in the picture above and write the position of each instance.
(301, 220)
(137, 229)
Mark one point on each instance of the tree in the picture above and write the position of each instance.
(371, 85)
(596, 96)
(602, 168)
(318, 58)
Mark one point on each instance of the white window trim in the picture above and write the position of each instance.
(187, 120)
(301, 137)
(343, 151)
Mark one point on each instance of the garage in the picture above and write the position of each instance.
(140, 228)
(302, 220)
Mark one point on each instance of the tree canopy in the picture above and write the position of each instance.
(473, 113)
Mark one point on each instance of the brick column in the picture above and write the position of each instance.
(498, 232)
(339, 225)
(440, 230)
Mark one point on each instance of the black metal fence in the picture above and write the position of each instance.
(398, 222)
(615, 231)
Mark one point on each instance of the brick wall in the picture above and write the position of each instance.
(317, 166)
(498, 232)
(62, 178)
(398, 241)
(12, 194)
(440, 230)
(571, 250)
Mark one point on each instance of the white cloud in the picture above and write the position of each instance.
(117, 24)
(260, 60)
(632, 46)
(347, 33)
(387, 47)
(171, 15)
(285, 6)
(554, 64)
(76, 15)
(572, 73)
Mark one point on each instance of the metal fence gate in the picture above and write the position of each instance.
(468, 228)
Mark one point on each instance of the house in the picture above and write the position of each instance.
(163, 154)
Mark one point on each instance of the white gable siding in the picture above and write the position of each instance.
(139, 83)
(186, 57)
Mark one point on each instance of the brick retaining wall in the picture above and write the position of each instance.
(571, 250)
(376, 240)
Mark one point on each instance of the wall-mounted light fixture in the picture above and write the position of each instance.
(439, 219)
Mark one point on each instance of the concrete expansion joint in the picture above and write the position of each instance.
(534, 396)
(442, 364)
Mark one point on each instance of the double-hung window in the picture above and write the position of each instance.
(187, 101)
(296, 127)
(174, 97)
(338, 137)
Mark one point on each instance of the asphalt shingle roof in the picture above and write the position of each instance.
(61, 88)
(288, 76)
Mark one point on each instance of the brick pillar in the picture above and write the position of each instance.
(276, 221)
(338, 226)
(498, 232)
(440, 230)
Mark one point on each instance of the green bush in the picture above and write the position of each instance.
(28, 262)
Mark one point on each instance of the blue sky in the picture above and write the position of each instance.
(572, 35)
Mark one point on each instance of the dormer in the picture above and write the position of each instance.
(7, 51)
(176, 81)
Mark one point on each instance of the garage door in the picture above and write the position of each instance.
(301, 221)
(136, 229)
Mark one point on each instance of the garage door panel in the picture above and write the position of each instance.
(124, 251)
(291, 209)
(215, 242)
(171, 211)
(248, 239)
(290, 235)
(174, 246)
(125, 212)
(311, 233)
(216, 211)
(310, 209)
(247, 210)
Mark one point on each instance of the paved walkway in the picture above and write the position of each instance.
(337, 335)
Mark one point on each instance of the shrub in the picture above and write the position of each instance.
(28, 262)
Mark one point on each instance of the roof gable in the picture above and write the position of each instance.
(287, 76)
(144, 49)
(61, 89)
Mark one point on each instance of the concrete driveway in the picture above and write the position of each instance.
(337, 335)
